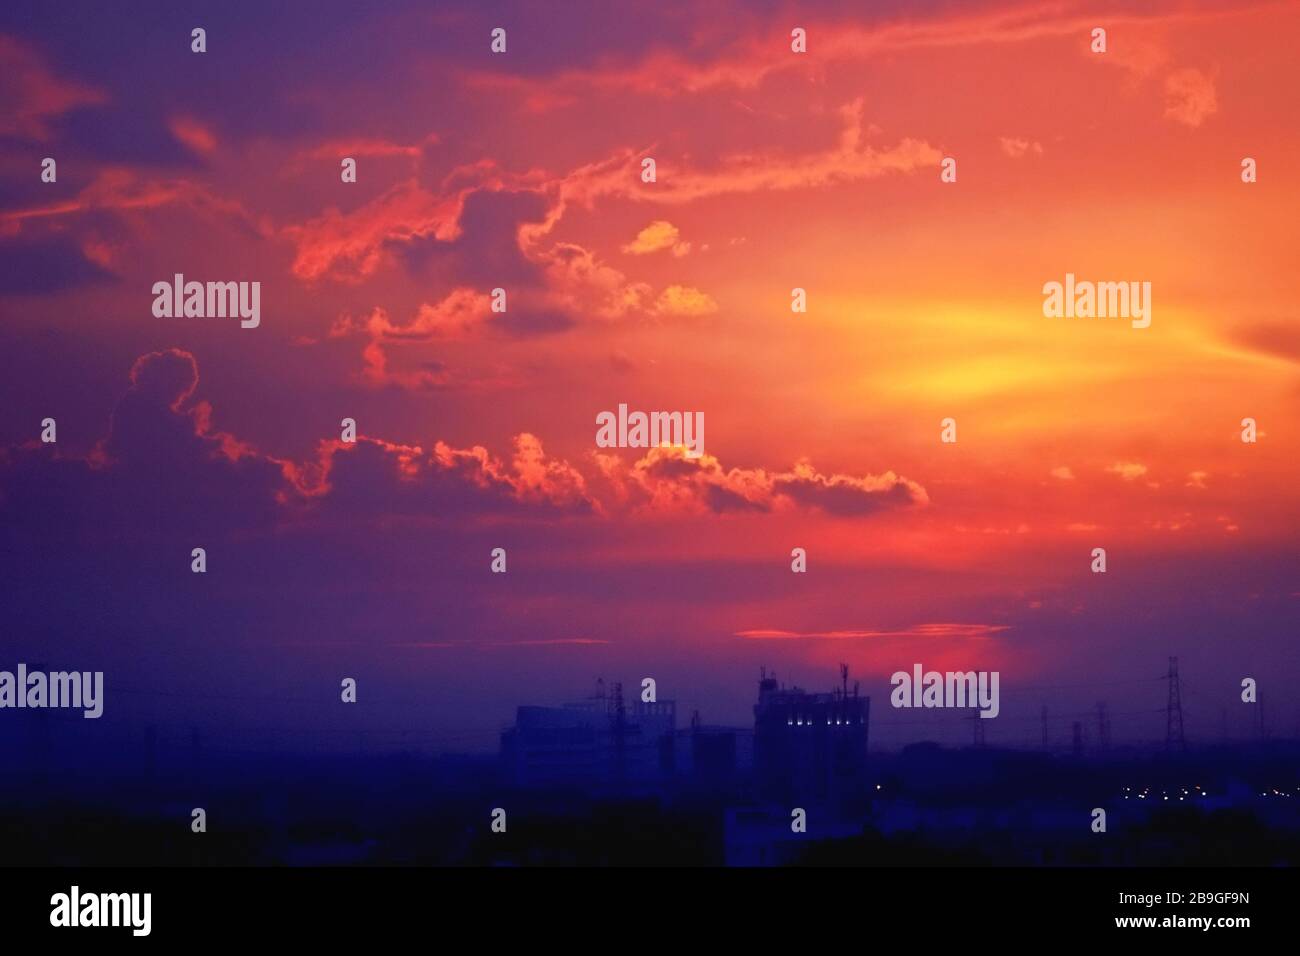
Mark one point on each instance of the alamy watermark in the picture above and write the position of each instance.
(1075, 299)
(951, 689)
(211, 300)
(75, 908)
(651, 429)
(37, 689)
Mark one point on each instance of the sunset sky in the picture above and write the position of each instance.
(775, 170)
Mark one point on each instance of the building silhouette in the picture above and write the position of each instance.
(600, 740)
(810, 745)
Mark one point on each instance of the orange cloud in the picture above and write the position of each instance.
(1189, 97)
(916, 631)
(336, 149)
(349, 247)
(453, 316)
(657, 236)
(684, 300)
(1017, 148)
(849, 160)
(533, 478)
(1128, 470)
(588, 286)
(117, 189)
(762, 53)
(666, 481)
(192, 134)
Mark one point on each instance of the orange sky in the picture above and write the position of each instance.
(775, 170)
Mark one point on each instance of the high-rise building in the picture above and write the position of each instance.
(809, 744)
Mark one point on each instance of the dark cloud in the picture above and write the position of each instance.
(46, 265)
(486, 252)
(849, 497)
(672, 481)
(139, 137)
(1276, 338)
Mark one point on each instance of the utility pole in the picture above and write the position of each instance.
(1174, 710)
(620, 733)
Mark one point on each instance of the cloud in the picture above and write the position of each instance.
(461, 314)
(350, 247)
(657, 236)
(540, 479)
(1189, 97)
(915, 632)
(485, 248)
(163, 456)
(454, 316)
(381, 479)
(479, 203)
(118, 191)
(1197, 480)
(587, 286)
(420, 224)
(193, 135)
(31, 96)
(845, 495)
(161, 472)
(1063, 473)
(1274, 338)
(163, 452)
(1017, 148)
(357, 147)
(747, 62)
(48, 264)
(850, 160)
(459, 311)
(684, 300)
(665, 481)
(1128, 470)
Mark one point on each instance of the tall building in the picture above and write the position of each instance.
(810, 745)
